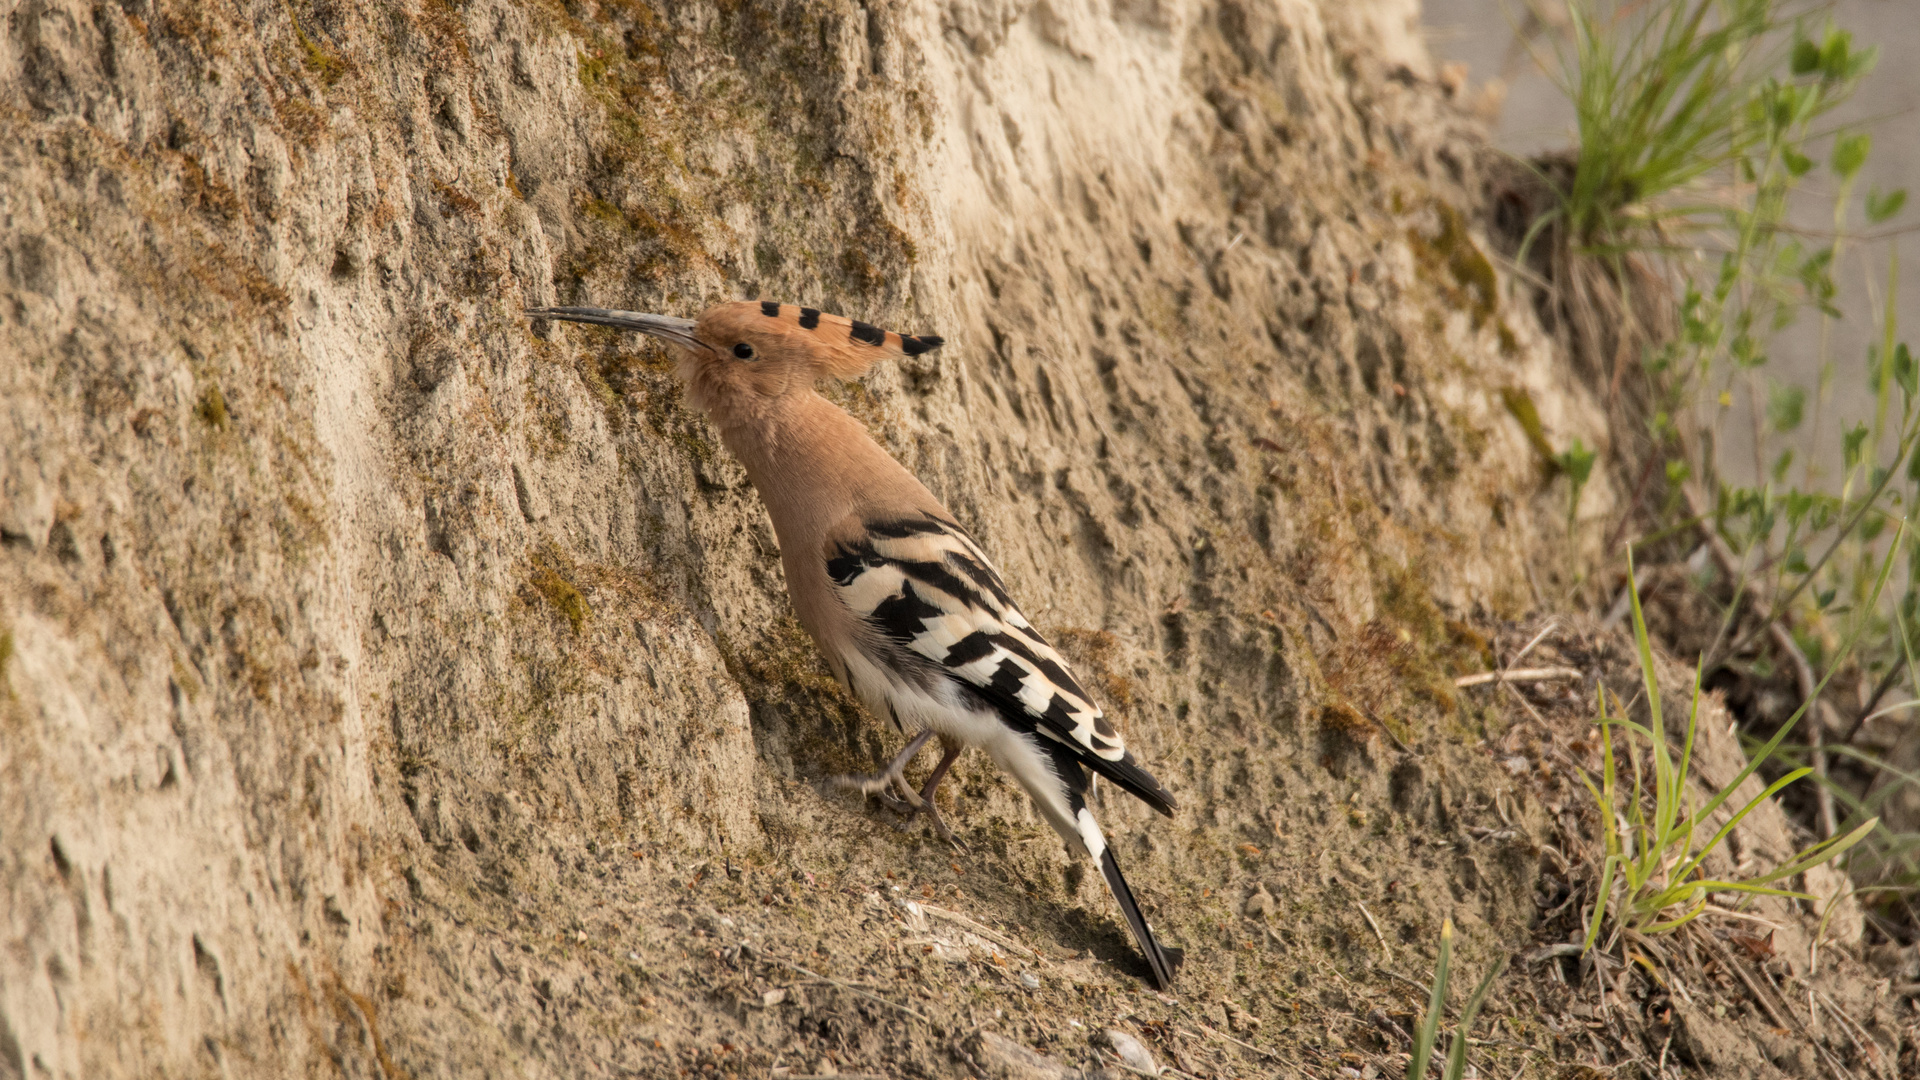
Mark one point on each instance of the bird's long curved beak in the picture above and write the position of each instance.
(665, 327)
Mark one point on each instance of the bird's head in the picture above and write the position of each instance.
(741, 355)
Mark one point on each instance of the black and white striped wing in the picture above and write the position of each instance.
(923, 583)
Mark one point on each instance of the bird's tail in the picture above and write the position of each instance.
(1075, 823)
(1161, 959)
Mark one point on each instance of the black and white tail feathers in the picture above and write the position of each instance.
(1161, 960)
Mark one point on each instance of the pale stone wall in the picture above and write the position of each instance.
(344, 622)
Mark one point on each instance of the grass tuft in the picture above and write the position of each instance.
(1669, 95)
(1652, 879)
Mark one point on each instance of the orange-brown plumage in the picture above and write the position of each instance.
(910, 614)
(787, 355)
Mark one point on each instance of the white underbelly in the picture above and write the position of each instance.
(949, 711)
(944, 711)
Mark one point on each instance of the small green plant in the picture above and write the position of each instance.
(1669, 94)
(1652, 879)
(320, 60)
(1701, 124)
(1577, 462)
(1428, 1032)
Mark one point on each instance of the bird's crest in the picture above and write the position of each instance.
(839, 347)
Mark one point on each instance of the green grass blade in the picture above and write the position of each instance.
(1671, 924)
(1846, 649)
(1749, 888)
(1754, 804)
(1669, 825)
(1429, 1028)
(1645, 648)
(1457, 1053)
(1855, 753)
(1600, 901)
(1822, 852)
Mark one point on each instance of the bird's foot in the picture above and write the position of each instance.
(939, 826)
(893, 792)
(890, 787)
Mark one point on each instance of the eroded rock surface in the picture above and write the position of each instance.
(387, 689)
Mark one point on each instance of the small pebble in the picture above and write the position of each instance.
(1132, 1052)
(1029, 980)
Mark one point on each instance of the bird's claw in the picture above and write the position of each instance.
(895, 804)
(940, 829)
(890, 786)
(894, 793)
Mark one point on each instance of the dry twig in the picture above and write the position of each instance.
(1514, 675)
(1223, 1036)
(851, 989)
(977, 927)
(1386, 953)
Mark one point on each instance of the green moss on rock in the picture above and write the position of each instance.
(212, 409)
(548, 580)
(1453, 261)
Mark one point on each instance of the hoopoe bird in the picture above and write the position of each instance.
(910, 614)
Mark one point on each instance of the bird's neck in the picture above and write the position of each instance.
(813, 464)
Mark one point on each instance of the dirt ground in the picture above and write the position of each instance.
(1310, 944)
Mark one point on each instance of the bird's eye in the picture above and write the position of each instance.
(743, 350)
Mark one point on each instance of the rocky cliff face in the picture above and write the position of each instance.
(388, 689)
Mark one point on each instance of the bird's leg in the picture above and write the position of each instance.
(949, 753)
(891, 779)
